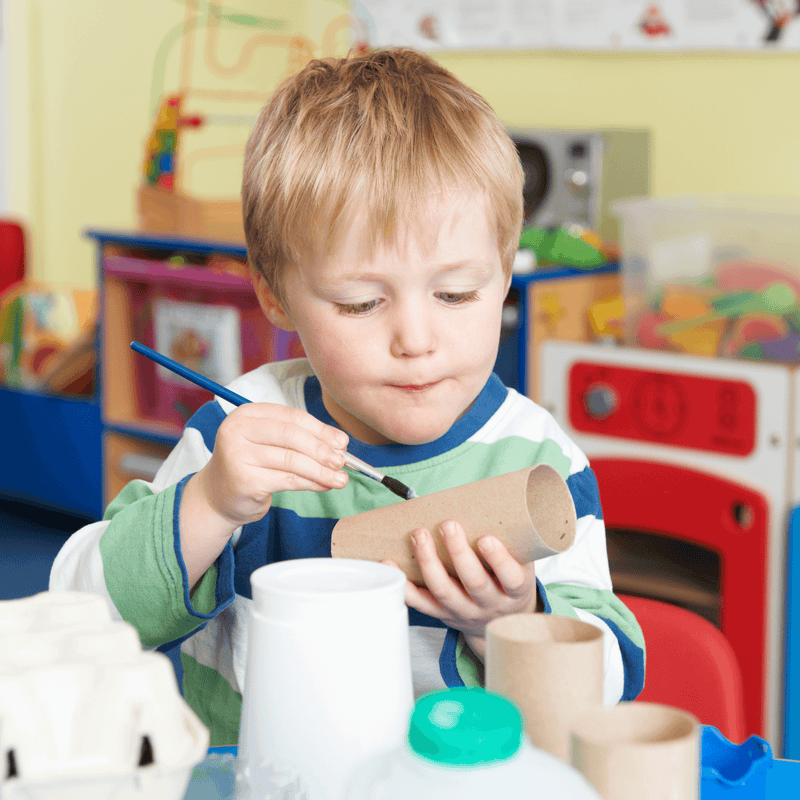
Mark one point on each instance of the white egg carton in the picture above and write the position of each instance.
(85, 712)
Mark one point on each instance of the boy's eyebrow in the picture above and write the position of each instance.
(473, 265)
(355, 277)
(476, 266)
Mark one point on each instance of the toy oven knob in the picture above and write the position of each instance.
(600, 401)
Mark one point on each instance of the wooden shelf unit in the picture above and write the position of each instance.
(142, 414)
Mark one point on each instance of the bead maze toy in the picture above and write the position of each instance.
(162, 205)
(162, 145)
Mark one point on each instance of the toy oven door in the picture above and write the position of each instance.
(698, 541)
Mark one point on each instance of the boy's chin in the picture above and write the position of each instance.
(411, 430)
(411, 434)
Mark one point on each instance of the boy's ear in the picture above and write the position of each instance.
(272, 309)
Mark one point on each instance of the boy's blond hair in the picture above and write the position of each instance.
(370, 135)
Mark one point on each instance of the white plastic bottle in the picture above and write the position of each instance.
(467, 744)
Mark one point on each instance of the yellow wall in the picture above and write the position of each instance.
(719, 122)
(78, 111)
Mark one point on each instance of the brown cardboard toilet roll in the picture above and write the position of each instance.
(551, 667)
(639, 751)
(530, 511)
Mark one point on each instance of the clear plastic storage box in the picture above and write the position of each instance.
(712, 275)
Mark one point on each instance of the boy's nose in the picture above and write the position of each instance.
(413, 334)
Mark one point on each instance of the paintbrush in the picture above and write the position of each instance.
(356, 464)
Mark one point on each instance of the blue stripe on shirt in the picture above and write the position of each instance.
(207, 420)
(491, 397)
(585, 494)
(632, 660)
(447, 660)
(223, 592)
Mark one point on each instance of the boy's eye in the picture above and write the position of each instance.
(456, 298)
(357, 308)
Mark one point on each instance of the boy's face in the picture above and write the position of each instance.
(404, 342)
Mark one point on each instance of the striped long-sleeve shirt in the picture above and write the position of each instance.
(133, 557)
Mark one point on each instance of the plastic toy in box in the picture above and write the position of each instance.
(567, 246)
(715, 275)
(746, 309)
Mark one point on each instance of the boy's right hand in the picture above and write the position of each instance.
(263, 448)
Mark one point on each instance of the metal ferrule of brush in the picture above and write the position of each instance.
(361, 466)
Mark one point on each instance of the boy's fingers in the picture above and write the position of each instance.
(287, 481)
(284, 426)
(440, 583)
(292, 438)
(515, 578)
(418, 597)
(477, 582)
(276, 442)
(423, 601)
(291, 469)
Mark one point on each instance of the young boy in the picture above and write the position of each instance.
(383, 205)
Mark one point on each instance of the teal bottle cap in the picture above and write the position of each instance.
(465, 726)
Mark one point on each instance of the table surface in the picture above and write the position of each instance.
(214, 779)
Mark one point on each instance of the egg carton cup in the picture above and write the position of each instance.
(84, 710)
(53, 609)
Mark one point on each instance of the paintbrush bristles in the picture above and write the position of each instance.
(400, 489)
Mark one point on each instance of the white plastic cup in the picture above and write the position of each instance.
(328, 680)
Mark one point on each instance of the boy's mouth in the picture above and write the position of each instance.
(414, 387)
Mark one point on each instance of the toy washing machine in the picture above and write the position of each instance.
(696, 462)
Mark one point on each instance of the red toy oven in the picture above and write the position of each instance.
(692, 457)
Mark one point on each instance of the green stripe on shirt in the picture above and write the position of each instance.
(470, 462)
(213, 699)
(602, 603)
(140, 538)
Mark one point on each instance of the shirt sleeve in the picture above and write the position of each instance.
(133, 558)
(577, 583)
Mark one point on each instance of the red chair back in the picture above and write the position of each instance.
(12, 254)
(690, 665)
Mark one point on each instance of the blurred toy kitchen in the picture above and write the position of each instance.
(655, 304)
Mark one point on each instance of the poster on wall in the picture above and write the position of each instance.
(204, 338)
(439, 25)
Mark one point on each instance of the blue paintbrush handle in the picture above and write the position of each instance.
(237, 400)
(190, 375)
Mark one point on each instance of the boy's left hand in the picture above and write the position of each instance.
(480, 595)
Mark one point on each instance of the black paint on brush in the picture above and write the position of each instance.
(400, 489)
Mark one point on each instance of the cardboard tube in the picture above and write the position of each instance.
(551, 667)
(639, 751)
(530, 511)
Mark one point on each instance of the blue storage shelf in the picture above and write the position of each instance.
(52, 451)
